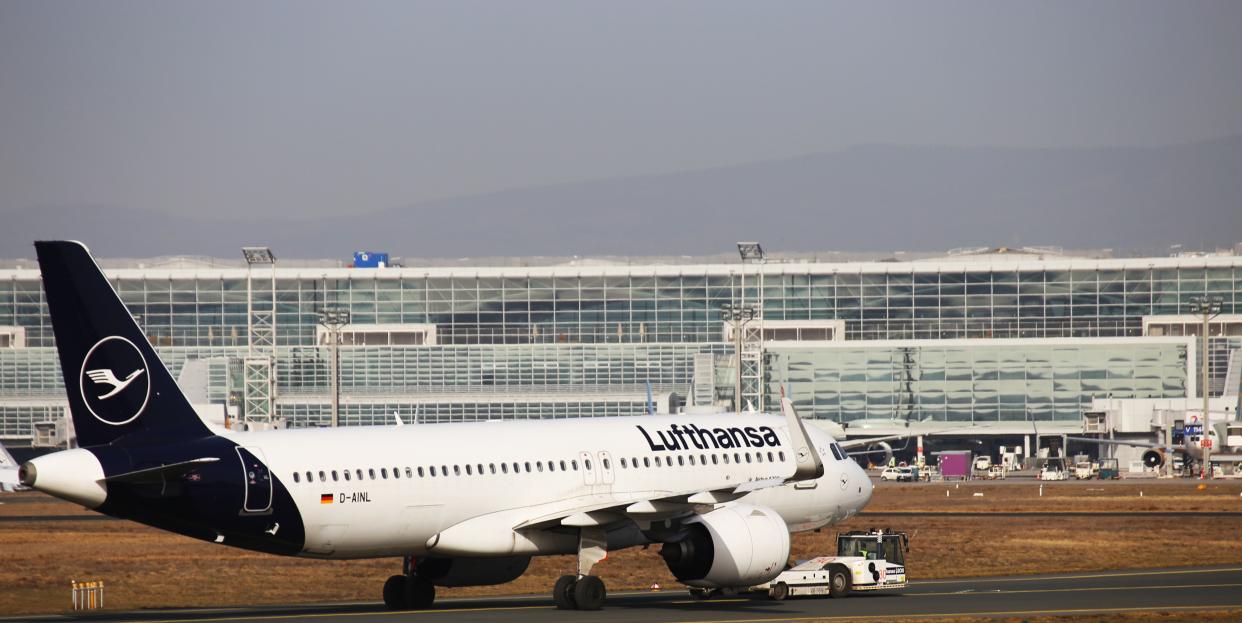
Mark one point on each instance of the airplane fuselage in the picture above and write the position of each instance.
(364, 492)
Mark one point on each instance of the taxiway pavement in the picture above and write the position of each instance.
(1018, 596)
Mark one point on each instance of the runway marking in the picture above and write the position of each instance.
(972, 593)
(276, 617)
(321, 615)
(934, 615)
(1076, 576)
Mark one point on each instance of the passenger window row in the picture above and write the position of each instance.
(519, 467)
(703, 459)
(443, 470)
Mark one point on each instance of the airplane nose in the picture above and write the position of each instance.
(861, 477)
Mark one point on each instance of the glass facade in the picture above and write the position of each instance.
(976, 381)
(633, 303)
(538, 331)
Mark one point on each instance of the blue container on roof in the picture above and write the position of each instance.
(370, 259)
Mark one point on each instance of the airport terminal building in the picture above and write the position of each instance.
(995, 338)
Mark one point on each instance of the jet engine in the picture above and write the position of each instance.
(737, 545)
(1153, 458)
(472, 571)
(881, 447)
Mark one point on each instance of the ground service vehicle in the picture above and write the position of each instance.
(1051, 473)
(865, 561)
(900, 474)
(1084, 471)
(1109, 469)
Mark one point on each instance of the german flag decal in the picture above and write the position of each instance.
(325, 498)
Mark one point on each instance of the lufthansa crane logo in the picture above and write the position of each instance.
(114, 382)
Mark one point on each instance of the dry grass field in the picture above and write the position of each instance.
(148, 568)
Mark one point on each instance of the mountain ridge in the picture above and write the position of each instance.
(868, 197)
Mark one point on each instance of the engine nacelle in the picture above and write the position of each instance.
(737, 545)
(1153, 458)
(472, 571)
(881, 446)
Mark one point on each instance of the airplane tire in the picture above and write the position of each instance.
(420, 593)
(394, 593)
(700, 593)
(839, 583)
(779, 592)
(563, 592)
(589, 593)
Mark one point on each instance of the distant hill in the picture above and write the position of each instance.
(864, 198)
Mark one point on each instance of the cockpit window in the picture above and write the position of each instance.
(838, 452)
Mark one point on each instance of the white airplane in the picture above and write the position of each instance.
(460, 504)
(8, 472)
(1191, 448)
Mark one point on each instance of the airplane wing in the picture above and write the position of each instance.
(522, 529)
(1137, 444)
(866, 441)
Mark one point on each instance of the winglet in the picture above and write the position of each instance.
(808, 465)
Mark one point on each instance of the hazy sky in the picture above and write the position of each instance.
(233, 109)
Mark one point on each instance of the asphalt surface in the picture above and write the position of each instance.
(864, 514)
(1020, 596)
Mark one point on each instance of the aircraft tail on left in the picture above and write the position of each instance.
(118, 389)
(8, 471)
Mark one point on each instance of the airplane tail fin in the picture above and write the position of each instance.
(118, 389)
(6, 459)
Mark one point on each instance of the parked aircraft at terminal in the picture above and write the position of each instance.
(460, 504)
(8, 471)
(1191, 448)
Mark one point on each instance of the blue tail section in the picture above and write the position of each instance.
(119, 391)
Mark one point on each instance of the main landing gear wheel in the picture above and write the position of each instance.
(408, 592)
(420, 592)
(394, 592)
(563, 593)
(584, 593)
(700, 593)
(589, 593)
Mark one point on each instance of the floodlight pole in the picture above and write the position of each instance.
(737, 317)
(749, 345)
(259, 365)
(333, 319)
(1209, 308)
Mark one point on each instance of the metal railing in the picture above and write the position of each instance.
(88, 595)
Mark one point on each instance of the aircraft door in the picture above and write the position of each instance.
(588, 467)
(605, 467)
(257, 479)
